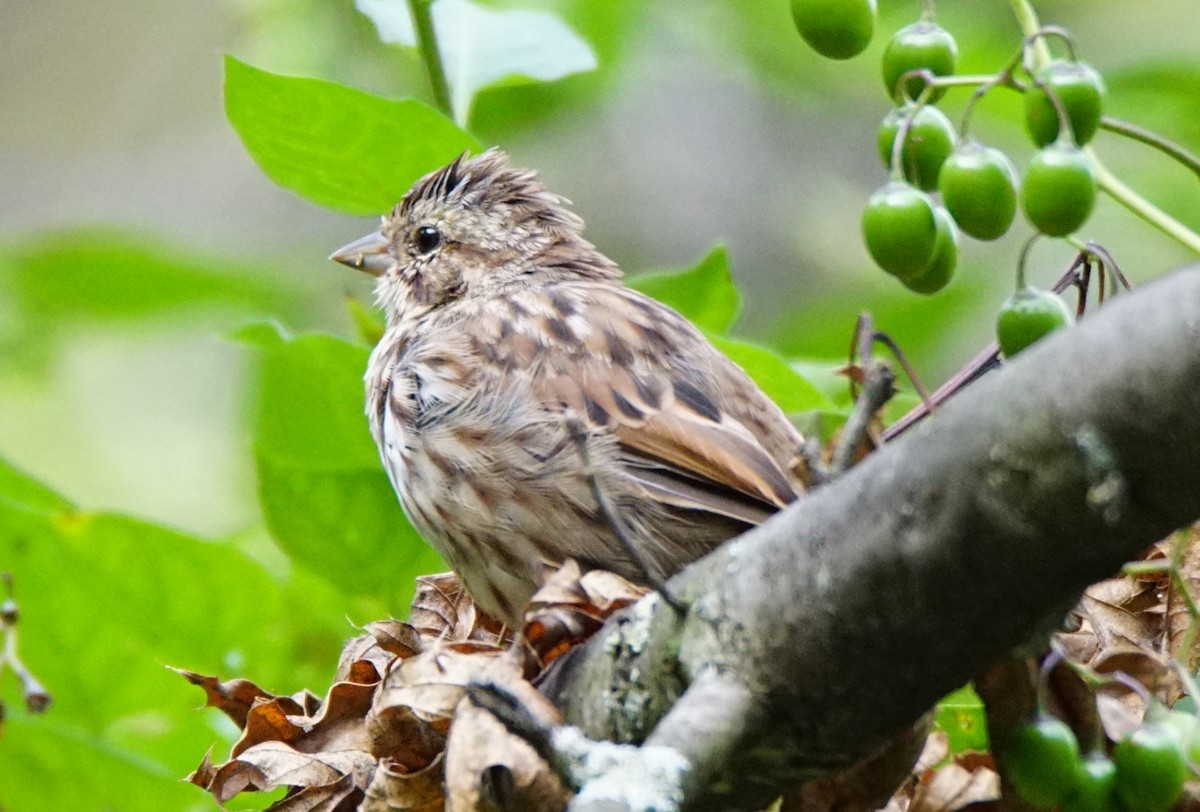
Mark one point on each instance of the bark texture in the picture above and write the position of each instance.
(818, 637)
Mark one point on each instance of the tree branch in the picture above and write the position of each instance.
(813, 640)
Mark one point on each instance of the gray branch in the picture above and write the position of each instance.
(822, 635)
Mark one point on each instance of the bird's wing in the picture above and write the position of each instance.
(692, 428)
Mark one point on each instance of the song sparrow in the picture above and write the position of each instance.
(518, 382)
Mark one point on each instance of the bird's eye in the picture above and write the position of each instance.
(428, 238)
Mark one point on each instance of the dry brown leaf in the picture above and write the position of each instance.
(392, 789)
(443, 610)
(570, 606)
(396, 637)
(412, 710)
(274, 764)
(953, 787)
(204, 774)
(1120, 713)
(489, 768)
(365, 651)
(340, 796)
(268, 720)
(1115, 623)
(234, 698)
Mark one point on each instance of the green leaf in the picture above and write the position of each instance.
(704, 293)
(322, 488)
(311, 405)
(17, 488)
(778, 380)
(336, 146)
(962, 717)
(56, 282)
(346, 526)
(267, 334)
(481, 47)
(105, 601)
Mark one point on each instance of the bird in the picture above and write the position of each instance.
(530, 408)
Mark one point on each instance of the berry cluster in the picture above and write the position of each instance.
(1145, 771)
(942, 181)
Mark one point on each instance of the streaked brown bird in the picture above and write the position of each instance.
(529, 407)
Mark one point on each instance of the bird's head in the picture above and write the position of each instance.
(473, 226)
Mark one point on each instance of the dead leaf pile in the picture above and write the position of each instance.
(393, 731)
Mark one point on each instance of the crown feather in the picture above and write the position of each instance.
(487, 182)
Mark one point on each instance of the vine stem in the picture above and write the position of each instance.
(1111, 185)
(1154, 140)
(1028, 20)
(1115, 188)
(422, 17)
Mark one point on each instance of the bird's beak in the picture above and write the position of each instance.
(367, 253)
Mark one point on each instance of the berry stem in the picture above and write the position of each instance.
(1150, 139)
(1025, 249)
(427, 46)
(963, 79)
(1030, 25)
(1115, 188)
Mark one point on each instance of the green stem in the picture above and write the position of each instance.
(1028, 20)
(1140, 206)
(1169, 148)
(427, 46)
(962, 79)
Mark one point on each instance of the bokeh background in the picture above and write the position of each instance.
(704, 123)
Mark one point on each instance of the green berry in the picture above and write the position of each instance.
(979, 187)
(922, 45)
(945, 257)
(1042, 762)
(1028, 315)
(1095, 790)
(1059, 190)
(838, 29)
(929, 142)
(899, 229)
(1151, 769)
(1081, 91)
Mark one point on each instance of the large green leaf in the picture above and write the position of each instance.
(324, 493)
(105, 602)
(481, 47)
(704, 293)
(334, 145)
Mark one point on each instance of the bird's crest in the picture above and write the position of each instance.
(488, 182)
